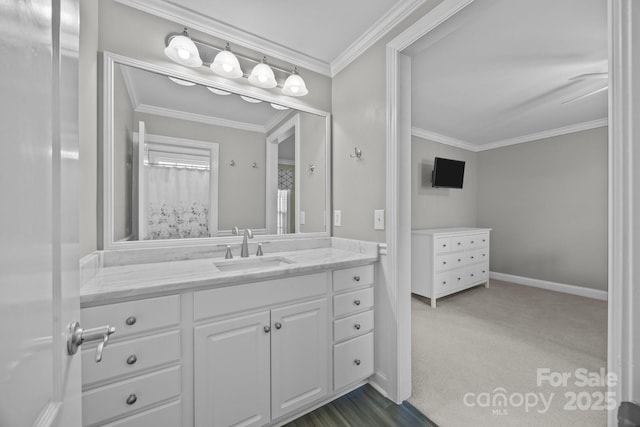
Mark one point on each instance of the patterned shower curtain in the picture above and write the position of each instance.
(177, 203)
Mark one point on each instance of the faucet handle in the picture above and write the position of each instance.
(235, 231)
(228, 255)
(248, 233)
(259, 253)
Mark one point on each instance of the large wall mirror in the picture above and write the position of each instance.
(186, 161)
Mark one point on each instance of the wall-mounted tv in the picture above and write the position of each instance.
(447, 173)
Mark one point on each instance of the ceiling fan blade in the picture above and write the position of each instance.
(593, 92)
(590, 76)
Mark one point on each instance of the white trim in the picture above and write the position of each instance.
(130, 85)
(443, 139)
(370, 37)
(593, 124)
(195, 21)
(551, 286)
(466, 145)
(200, 118)
(281, 116)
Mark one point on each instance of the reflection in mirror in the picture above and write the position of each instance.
(191, 161)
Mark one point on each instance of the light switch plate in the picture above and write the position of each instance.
(378, 219)
(303, 218)
(337, 218)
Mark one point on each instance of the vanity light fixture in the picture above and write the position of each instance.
(262, 75)
(183, 50)
(226, 64)
(181, 82)
(218, 91)
(279, 107)
(250, 100)
(295, 85)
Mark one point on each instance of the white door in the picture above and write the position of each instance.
(299, 355)
(39, 287)
(233, 366)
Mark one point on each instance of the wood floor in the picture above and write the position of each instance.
(363, 407)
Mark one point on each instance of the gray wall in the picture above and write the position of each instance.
(241, 188)
(546, 202)
(442, 207)
(312, 185)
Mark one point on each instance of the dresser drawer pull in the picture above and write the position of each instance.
(278, 325)
(356, 278)
(459, 260)
(461, 243)
(444, 262)
(472, 257)
(357, 326)
(472, 242)
(444, 245)
(444, 282)
(356, 302)
(459, 278)
(471, 274)
(131, 360)
(132, 399)
(131, 320)
(267, 329)
(357, 362)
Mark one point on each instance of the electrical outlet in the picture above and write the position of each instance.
(303, 218)
(378, 219)
(337, 218)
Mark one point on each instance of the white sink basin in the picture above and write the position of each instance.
(252, 263)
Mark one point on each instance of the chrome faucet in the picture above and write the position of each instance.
(244, 252)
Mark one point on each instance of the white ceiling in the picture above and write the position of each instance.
(499, 71)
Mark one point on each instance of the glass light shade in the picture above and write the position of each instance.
(218, 91)
(279, 107)
(181, 82)
(250, 100)
(226, 64)
(262, 76)
(294, 85)
(183, 50)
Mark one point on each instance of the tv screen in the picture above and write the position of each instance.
(447, 173)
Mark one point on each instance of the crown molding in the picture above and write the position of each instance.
(185, 17)
(593, 124)
(200, 118)
(374, 33)
(443, 139)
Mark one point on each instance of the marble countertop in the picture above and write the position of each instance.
(119, 283)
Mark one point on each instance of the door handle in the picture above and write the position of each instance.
(79, 335)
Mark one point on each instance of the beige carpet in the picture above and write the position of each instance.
(485, 343)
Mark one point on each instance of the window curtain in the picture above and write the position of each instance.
(177, 203)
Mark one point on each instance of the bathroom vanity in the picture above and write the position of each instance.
(228, 342)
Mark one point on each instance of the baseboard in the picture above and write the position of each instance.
(551, 286)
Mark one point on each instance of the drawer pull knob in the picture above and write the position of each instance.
(356, 278)
(459, 278)
(471, 257)
(267, 329)
(357, 362)
(356, 302)
(444, 282)
(357, 326)
(131, 320)
(472, 242)
(131, 360)
(461, 243)
(483, 271)
(444, 246)
(459, 260)
(132, 399)
(471, 274)
(444, 262)
(278, 325)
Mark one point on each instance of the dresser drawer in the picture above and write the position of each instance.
(352, 277)
(449, 280)
(130, 395)
(134, 317)
(477, 273)
(442, 245)
(478, 255)
(353, 360)
(353, 325)
(165, 415)
(449, 261)
(459, 243)
(129, 357)
(352, 302)
(478, 241)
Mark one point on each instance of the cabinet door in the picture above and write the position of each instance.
(232, 372)
(299, 354)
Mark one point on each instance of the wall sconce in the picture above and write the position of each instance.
(184, 50)
(357, 153)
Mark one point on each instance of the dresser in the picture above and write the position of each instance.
(448, 260)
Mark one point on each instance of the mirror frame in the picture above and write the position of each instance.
(105, 167)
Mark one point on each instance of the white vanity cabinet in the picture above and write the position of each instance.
(256, 367)
(139, 376)
(448, 260)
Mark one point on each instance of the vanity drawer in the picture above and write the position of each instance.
(353, 360)
(128, 357)
(130, 395)
(352, 302)
(442, 245)
(352, 277)
(165, 415)
(133, 317)
(353, 325)
(231, 299)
